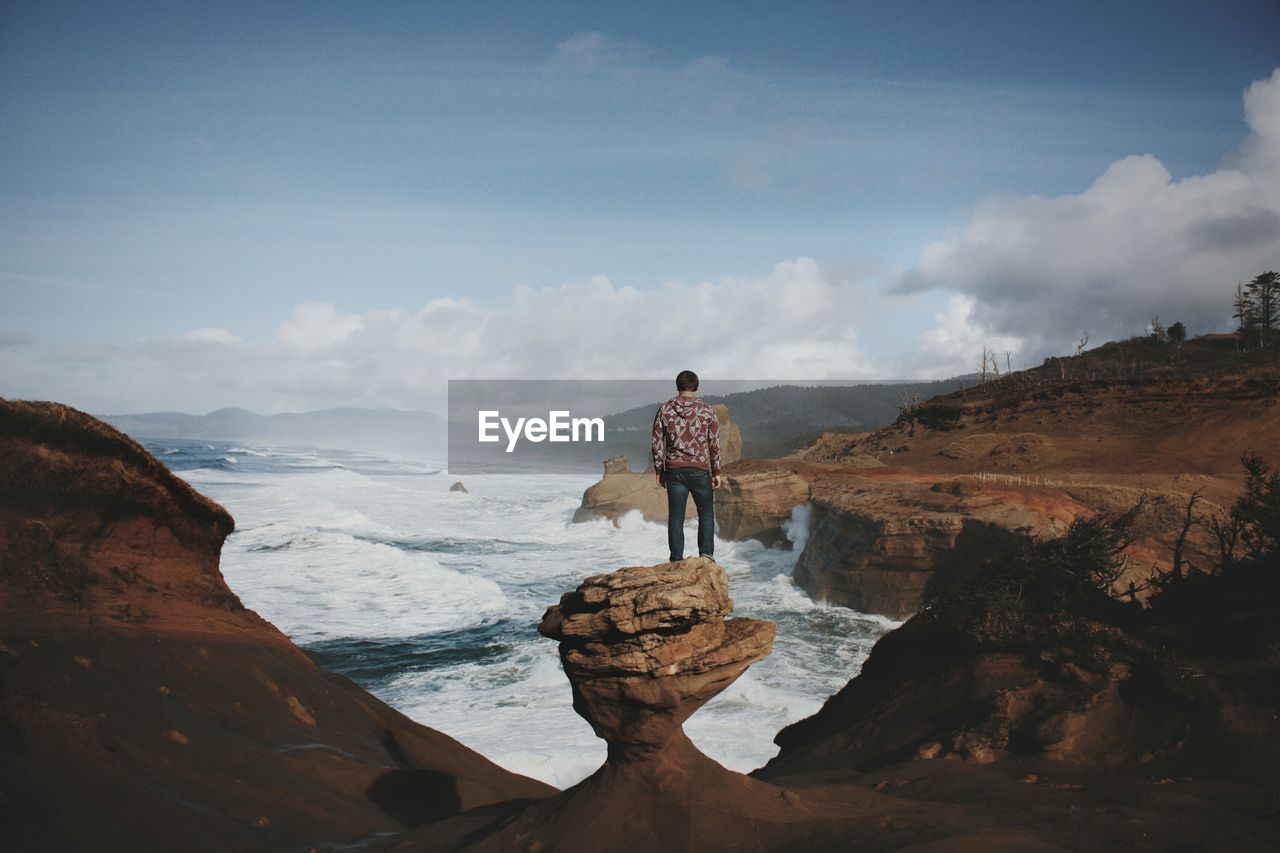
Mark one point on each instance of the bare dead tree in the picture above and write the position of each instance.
(1189, 521)
(907, 402)
(1084, 342)
(1227, 532)
(1158, 331)
(986, 359)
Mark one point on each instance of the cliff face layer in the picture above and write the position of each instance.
(145, 707)
(880, 538)
(757, 498)
(876, 543)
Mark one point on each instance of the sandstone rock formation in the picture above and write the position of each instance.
(645, 647)
(876, 541)
(145, 708)
(622, 490)
(878, 538)
(730, 435)
(756, 498)
(1071, 695)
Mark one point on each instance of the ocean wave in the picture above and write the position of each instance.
(325, 583)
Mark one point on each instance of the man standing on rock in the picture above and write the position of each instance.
(686, 460)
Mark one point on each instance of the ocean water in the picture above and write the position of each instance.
(430, 599)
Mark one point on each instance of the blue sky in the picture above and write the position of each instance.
(204, 172)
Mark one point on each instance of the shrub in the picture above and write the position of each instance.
(1245, 577)
(1017, 593)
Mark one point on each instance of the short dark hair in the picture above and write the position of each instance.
(687, 380)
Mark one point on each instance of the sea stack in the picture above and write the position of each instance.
(644, 647)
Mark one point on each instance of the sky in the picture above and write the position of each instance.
(291, 206)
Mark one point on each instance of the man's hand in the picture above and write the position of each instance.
(657, 477)
(716, 482)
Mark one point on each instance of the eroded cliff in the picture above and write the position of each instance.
(145, 707)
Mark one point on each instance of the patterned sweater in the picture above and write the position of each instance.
(686, 434)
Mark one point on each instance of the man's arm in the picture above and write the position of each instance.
(713, 449)
(657, 447)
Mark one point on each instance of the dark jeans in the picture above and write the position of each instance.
(680, 483)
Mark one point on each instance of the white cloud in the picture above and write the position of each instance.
(593, 51)
(953, 345)
(1136, 243)
(797, 322)
(587, 53)
(212, 334)
(317, 324)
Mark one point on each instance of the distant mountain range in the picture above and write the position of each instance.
(392, 429)
(774, 421)
(778, 419)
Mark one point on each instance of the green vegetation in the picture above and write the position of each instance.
(1039, 583)
(1230, 604)
(1046, 587)
(1257, 311)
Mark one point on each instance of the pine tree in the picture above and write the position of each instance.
(1263, 295)
(1243, 314)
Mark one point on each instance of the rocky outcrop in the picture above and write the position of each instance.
(877, 541)
(622, 490)
(756, 498)
(146, 708)
(1085, 736)
(645, 647)
(730, 436)
(1068, 695)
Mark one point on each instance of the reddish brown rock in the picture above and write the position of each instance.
(145, 708)
(757, 498)
(879, 538)
(876, 542)
(730, 436)
(621, 490)
(645, 647)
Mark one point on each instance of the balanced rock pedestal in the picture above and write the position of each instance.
(645, 647)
